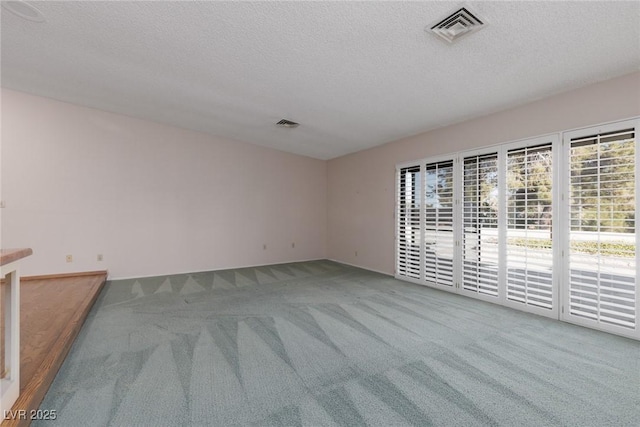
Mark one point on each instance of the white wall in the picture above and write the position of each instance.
(156, 199)
(153, 199)
(361, 186)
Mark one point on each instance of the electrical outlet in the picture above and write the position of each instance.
(356, 253)
(69, 258)
(264, 247)
(99, 257)
(293, 245)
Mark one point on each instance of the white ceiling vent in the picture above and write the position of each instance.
(458, 24)
(287, 124)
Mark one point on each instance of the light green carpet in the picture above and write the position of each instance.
(320, 343)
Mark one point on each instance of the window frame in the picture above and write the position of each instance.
(461, 156)
(560, 217)
(565, 182)
(423, 164)
(399, 168)
(554, 139)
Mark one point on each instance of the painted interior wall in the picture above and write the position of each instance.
(361, 186)
(153, 199)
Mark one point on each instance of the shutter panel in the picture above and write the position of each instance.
(602, 236)
(438, 223)
(480, 224)
(408, 229)
(529, 241)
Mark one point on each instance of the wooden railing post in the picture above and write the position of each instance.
(10, 327)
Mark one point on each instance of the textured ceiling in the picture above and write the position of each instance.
(354, 74)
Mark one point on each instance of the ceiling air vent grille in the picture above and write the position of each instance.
(457, 25)
(287, 124)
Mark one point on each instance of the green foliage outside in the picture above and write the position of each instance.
(619, 249)
(603, 185)
(529, 187)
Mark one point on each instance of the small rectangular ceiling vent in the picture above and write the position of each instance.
(458, 24)
(287, 124)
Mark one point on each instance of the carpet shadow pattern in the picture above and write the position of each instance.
(323, 344)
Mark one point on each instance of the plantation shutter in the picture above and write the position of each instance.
(602, 236)
(438, 223)
(529, 254)
(408, 229)
(480, 224)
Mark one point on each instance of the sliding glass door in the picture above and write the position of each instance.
(530, 210)
(542, 225)
(601, 247)
(480, 203)
(439, 240)
(409, 228)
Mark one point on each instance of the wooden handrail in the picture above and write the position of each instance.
(11, 255)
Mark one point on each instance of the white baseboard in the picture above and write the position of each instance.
(215, 269)
(359, 266)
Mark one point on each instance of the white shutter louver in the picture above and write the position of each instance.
(408, 228)
(602, 237)
(439, 239)
(524, 223)
(529, 252)
(480, 224)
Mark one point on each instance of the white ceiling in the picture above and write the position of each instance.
(354, 74)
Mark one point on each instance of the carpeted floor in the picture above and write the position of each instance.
(320, 343)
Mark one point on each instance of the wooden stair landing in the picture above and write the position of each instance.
(52, 311)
